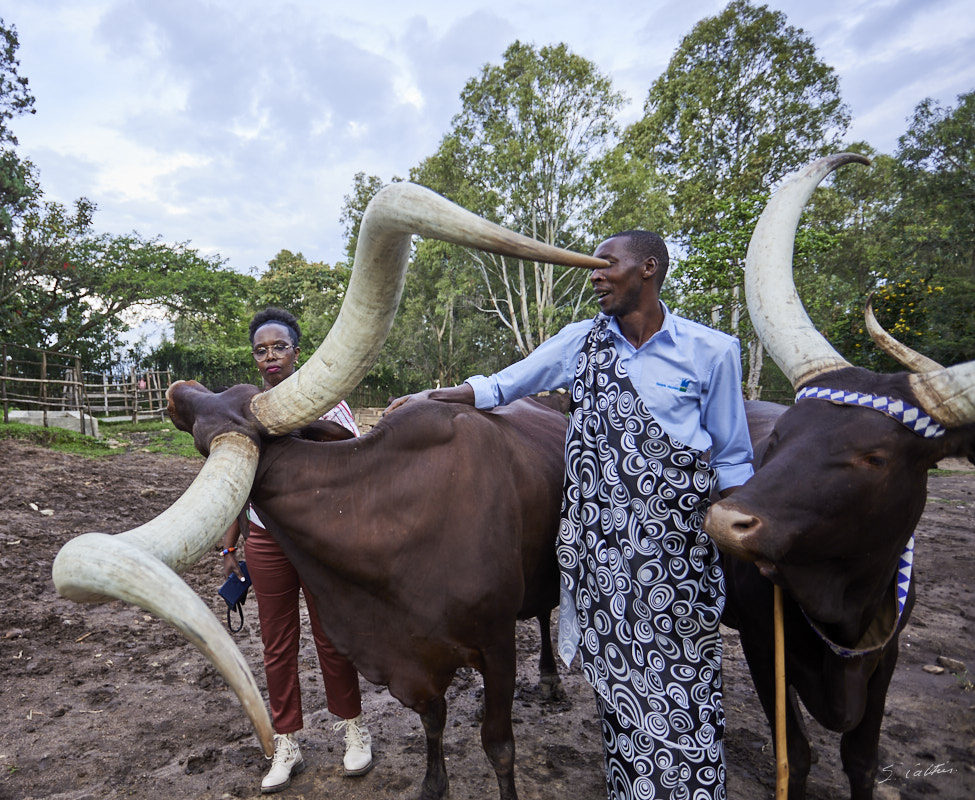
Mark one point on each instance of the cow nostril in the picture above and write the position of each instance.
(745, 525)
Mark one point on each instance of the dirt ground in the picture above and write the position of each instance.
(107, 702)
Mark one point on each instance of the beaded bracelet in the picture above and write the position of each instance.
(228, 551)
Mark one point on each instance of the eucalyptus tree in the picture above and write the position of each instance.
(524, 152)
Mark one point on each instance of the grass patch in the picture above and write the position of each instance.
(59, 439)
(152, 437)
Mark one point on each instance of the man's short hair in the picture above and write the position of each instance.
(643, 245)
(280, 316)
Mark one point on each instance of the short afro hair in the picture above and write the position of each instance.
(281, 317)
(643, 245)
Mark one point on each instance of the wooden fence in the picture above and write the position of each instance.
(45, 381)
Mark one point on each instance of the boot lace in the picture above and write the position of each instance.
(353, 733)
(284, 749)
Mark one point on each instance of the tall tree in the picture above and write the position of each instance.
(744, 101)
(523, 152)
(15, 97)
(925, 295)
(19, 191)
(937, 211)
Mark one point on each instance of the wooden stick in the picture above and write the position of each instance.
(781, 748)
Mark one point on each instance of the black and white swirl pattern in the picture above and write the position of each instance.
(642, 588)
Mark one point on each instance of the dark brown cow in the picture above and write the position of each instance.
(420, 559)
(840, 483)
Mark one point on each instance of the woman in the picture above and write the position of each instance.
(274, 335)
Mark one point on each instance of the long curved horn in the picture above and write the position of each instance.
(913, 360)
(774, 306)
(140, 566)
(98, 567)
(947, 395)
(392, 217)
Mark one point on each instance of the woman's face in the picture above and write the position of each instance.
(274, 352)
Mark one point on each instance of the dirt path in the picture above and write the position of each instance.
(106, 702)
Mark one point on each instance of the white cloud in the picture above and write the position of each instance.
(238, 125)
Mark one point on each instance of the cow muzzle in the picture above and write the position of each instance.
(734, 531)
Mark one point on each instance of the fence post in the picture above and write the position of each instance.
(44, 386)
(6, 407)
(81, 395)
(135, 397)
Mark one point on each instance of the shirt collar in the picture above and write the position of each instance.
(667, 330)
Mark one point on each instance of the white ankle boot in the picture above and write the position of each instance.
(358, 746)
(287, 761)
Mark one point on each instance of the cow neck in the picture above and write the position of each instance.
(884, 626)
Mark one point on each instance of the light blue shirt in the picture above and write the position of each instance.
(688, 375)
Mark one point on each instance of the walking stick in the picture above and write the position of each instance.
(781, 754)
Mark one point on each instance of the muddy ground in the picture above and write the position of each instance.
(104, 702)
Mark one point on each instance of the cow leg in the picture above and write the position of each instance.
(549, 683)
(859, 746)
(497, 736)
(434, 718)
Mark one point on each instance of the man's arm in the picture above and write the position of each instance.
(464, 393)
(723, 417)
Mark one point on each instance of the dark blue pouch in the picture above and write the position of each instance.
(234, 593)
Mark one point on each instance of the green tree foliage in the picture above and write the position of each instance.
(18, 184)
(72, 287)
(15, 97)
(937, 211)
(523, 152)
(743, 102)
(707, 284)
(364, 188)
(925, 292)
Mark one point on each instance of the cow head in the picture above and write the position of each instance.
(140, 566)
(840, 481)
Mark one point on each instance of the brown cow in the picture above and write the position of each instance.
(840, 483)
(468, 623)
(420, 559)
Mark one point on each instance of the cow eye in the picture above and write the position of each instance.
(875, 460)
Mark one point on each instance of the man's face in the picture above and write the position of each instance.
(620, 286)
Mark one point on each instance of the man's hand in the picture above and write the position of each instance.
(452, 394)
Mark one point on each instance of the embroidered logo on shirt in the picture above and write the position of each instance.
(685, 382)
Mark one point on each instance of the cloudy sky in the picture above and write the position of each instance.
(238, 125)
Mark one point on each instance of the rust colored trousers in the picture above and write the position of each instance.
(276, 584)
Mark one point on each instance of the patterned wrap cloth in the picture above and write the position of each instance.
(642, 587)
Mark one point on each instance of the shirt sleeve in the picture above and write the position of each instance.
(549, 366)
(723, 417)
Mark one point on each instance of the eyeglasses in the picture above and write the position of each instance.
(261, 353)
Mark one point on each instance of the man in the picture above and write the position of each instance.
(642, 587)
